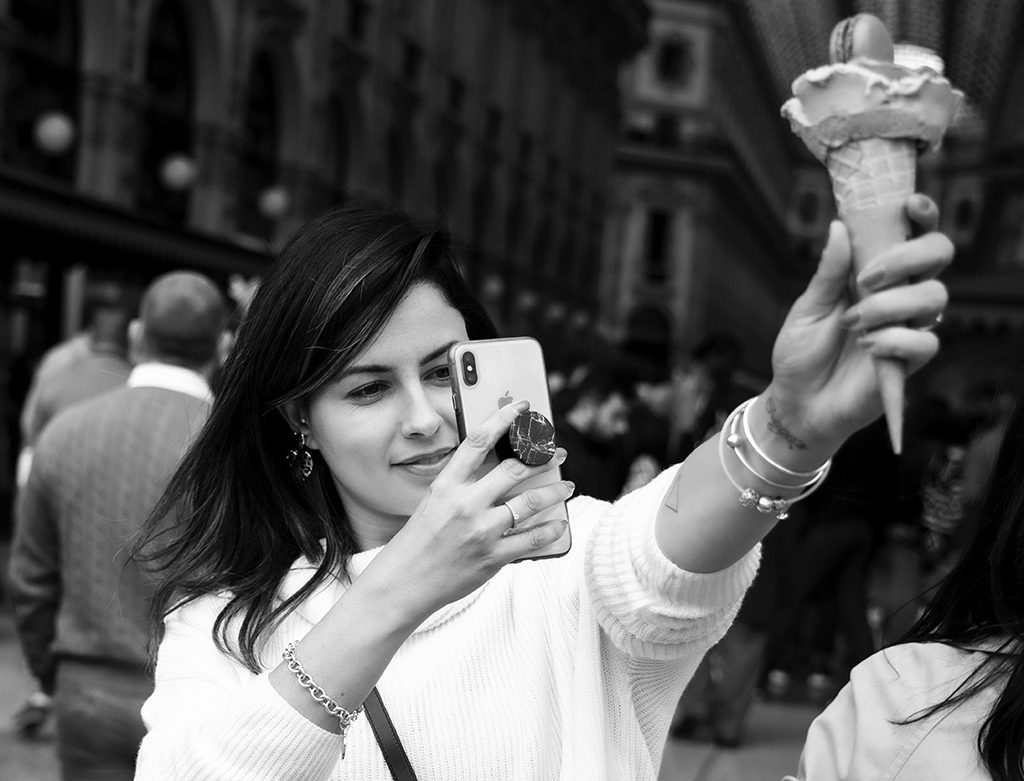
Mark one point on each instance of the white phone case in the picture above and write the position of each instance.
(506, 370)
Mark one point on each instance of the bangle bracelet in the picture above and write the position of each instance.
(345, 718)
(745, 420)
(736, 441)
(730, 440)
(753, 457)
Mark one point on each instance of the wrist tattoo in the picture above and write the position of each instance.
(776, 427)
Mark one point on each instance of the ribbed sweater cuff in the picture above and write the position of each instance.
(649, 607)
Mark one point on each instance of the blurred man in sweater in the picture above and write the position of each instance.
(98, 470)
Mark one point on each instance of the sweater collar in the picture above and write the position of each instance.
(317, 605)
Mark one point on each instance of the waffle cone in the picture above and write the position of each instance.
(871, 180)
(873, 173)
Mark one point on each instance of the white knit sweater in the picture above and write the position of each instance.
(559, 669)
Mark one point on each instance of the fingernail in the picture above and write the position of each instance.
(569, 486)
(521, 406)
(560, 454)
(850, 317)
(871, 277)
(920, 202)
(865, 341)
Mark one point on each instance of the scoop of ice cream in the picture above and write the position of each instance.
(849, 101)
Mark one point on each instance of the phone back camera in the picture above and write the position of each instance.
(469, 373)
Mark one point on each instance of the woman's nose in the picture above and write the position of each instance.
(422, 418)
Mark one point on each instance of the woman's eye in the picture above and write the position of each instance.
(368, 391)
(441, 374)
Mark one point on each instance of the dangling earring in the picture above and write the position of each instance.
(300, 459)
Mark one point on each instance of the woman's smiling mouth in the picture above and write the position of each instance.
(429, 464)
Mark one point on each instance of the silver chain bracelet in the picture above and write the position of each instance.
(345, 718)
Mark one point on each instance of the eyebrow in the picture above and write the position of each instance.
(375, 368)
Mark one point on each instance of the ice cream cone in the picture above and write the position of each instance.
(867, 117)
(871, 180)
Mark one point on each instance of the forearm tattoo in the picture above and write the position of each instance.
(778, 429)
(672, 498)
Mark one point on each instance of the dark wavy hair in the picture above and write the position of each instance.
(980, 603)
(234, 518)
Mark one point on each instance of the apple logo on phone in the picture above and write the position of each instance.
(504, 448)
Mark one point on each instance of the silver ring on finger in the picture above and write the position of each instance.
(515, 515)
(934, 323)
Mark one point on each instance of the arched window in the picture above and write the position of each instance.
(260, 147)
(657, 246)
(41, 116)
(166, 154)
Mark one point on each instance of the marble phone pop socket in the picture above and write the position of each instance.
(532, 437)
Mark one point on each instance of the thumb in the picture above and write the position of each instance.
(830, 282)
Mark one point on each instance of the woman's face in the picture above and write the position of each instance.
(387, 427)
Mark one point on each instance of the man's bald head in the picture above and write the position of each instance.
(182, 317)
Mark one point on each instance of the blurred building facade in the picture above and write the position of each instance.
(719, 213)
(697, 239)
(142, 135)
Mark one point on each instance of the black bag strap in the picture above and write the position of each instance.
(387, 738)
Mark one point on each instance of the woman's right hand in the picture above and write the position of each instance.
(455, 540)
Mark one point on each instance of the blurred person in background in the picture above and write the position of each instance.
(85, 366)
(717, 699)
(979, 461)
(867, 491)
(704, 392)
(645, 446)
(103, 367)
(935, 441)
(592, 424)
(99, 352)
(99, 467)
(946, 701)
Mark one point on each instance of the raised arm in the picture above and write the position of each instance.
(824, 387)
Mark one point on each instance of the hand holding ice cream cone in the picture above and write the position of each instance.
(867, 119)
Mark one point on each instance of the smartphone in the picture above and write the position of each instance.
(489, 374)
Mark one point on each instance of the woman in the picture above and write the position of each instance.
(947, 701)
(381, 555)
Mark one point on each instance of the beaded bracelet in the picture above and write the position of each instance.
(345, 718)
(787, 493)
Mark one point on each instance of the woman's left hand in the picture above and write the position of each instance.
(824, 384)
